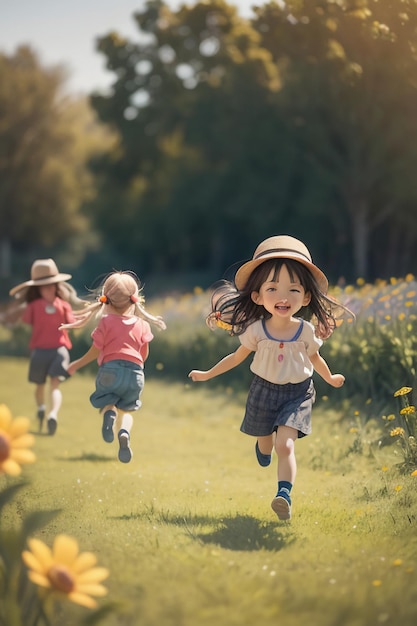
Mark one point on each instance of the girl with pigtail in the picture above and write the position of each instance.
(120, 346)
(277, 304)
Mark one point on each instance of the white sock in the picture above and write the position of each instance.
(56, 396)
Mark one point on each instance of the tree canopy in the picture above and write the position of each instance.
(225, 130)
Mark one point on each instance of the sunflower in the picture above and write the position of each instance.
(14, 442)
(65, 570)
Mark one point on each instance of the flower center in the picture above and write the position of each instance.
(61, 579)
(4, 447)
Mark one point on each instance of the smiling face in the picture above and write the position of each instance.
(282, 295)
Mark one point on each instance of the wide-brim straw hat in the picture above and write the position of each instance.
(280, 247)
(42, 272)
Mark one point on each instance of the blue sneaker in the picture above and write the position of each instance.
(125, 453)
(263, 459)
(107, 428)
(281, 504)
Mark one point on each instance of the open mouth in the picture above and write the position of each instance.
(282, 307)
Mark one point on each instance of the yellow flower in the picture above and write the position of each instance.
(397, 431)
(407, 410)
(384, 468)
(14, 442)
(414, 473)
(398, 488)
(377, 583)
(65, 570)
(403, 391)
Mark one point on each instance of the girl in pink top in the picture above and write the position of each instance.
(121, 347)
(43, 302)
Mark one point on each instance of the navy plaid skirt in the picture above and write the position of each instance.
(269, 406)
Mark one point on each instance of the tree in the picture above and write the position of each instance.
(351, 93)
(199, 128)
(46, 141)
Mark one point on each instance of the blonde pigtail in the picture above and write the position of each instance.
(157, 320)
(83, 317)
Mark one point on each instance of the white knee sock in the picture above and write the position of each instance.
(56, 397)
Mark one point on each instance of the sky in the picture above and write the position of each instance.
(65, 33)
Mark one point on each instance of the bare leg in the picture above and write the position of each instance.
(40, 395)
(285, 449)
(287, 470)
(40, 403)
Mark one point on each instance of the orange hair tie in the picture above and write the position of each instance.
(134, 299)
(103, 299)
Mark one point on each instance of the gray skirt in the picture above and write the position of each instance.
(269, 406)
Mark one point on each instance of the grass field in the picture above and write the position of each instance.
(186, 528)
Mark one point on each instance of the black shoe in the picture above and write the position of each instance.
(52, 425)
(263, 459)
(107, 428)
(40, 415)
(125, 453)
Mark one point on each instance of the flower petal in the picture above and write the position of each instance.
(5, 417)
(32, 562)
(10, 467)
(41, 552)
(22, 456)
(23, 441)
(65, 549)
(84, 561)
(92, 590)
(94, 575)
(39, 579)
(19, 426)
(80, 598)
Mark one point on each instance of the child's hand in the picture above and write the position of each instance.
(337, 380)
(197, 375)
(71, 369)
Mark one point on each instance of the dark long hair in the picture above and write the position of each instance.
(234, 309)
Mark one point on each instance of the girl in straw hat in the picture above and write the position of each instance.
(44, 302)
(261, 307)
(121, 347)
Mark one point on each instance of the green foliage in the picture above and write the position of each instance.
(20, 604)
(299, 120)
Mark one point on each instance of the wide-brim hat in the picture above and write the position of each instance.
(42, 272)
(284, 247)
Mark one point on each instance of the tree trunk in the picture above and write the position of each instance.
(360, 236)
(5, 258)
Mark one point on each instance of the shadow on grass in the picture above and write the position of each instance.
(237, 532)
(89, 456)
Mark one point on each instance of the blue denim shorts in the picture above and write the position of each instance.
(269, 406)
(120, 383)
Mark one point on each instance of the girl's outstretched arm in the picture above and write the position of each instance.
(91, 354)
(227, 363)
(321, 367)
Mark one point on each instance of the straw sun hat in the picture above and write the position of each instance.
(43, 272)
(280, 246)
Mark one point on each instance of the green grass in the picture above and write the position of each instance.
(186, 528)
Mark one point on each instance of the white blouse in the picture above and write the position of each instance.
(281, 361)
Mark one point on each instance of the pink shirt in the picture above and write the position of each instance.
(123, 337)
(45, 319)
